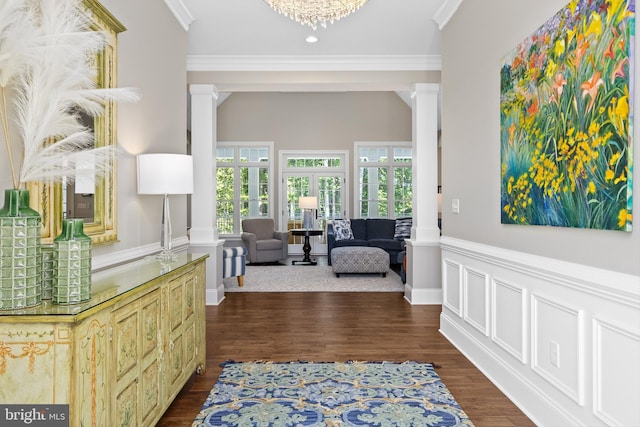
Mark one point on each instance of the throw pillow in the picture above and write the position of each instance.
(342, 229)
(403, 229)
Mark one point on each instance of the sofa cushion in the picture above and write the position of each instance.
(387, 244)
(403, 228)
(380, 228)
(350, 242)
(342, 229)
(359, 228)
(269, 244)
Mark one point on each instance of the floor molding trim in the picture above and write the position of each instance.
(417, 296)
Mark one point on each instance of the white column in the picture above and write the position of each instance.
(204, 233)
(423, 249)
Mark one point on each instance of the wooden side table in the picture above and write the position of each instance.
(306, 232)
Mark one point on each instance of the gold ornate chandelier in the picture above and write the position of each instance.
(314, 12)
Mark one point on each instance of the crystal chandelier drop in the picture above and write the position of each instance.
(314, 12)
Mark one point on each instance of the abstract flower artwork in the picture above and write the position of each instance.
(566, 120)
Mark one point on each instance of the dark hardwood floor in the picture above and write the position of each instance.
(326, 327)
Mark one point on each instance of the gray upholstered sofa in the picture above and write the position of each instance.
(374, 232)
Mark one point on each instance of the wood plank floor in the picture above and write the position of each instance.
(327, 327)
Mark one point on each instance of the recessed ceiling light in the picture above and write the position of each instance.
(311, 39)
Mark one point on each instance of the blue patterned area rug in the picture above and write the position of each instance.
(330, 394)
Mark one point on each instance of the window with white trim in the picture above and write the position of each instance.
(244, 184)
(384, 179)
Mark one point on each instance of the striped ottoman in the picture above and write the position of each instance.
(233, 263)
(359, 259)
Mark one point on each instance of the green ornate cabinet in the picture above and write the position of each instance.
(119, 359)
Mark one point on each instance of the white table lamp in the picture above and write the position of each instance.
(308, 204)
(165, 174)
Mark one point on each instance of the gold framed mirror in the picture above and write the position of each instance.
(98, 208)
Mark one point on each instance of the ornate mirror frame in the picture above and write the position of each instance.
(47, 198)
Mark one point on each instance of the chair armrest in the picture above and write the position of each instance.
(331, 237)
(281, 235)
(250, 240)
(331, 240)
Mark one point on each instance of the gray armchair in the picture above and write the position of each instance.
(263, 242)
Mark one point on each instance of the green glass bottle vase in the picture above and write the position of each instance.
(72, 261)
(20, 229)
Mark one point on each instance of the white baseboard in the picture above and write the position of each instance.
(422, 296)
(215, 296)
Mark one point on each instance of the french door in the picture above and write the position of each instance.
(312, 178)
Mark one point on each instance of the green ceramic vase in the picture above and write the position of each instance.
(47, 269)
(72, 264)
(20, 259)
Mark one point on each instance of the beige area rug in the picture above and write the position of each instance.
(310, 278)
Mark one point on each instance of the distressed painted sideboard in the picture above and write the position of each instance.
(117, 360)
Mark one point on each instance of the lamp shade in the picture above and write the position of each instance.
(308, 202)
(165, 174)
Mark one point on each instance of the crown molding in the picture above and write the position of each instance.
(181, 13)
(314, 63)
(446, 12)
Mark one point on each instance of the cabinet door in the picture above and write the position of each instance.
(200, 321)
(137, 361)
(182, 331)
(151, 358)
(126, 325)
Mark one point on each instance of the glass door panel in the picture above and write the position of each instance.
(329, 189)
(296, 185)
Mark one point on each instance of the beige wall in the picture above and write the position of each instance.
(314, 121)
(152, 58)
(474, 41)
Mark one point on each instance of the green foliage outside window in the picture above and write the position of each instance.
(242, 191)
(403, 192)
(379, 198)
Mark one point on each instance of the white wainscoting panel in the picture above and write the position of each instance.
(476, 298)
(509, 319)
(452, 293)
(561, 340)
(612, 407)
(557, 349)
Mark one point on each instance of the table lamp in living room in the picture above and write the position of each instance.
(308, 204)
(165, 174)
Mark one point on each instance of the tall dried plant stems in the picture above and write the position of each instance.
(45, 47)
(4, 116)
(17, 36)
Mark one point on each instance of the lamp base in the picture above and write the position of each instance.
(307, 219)
(164, 257)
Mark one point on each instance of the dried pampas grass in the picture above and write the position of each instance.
(46, 83)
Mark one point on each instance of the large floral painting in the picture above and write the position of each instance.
(566, 112)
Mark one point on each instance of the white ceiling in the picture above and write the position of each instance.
(250, 28)
(247, 35)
